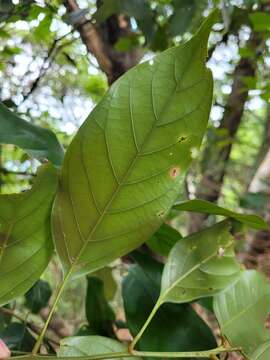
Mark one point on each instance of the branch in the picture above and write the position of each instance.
(47, 62)
(29, 324)
(5, 171)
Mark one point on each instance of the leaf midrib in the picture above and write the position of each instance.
(75, 262)
(194, 268)
(119, 184)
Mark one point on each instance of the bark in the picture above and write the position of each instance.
(100, 41)
(215, 159)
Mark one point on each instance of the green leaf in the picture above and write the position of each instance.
(176, 327)
(25, 235)
(164, 239)
(38, 296)
(110, 285)
(17, 337)
(99, 314)
(130, 157)
(200, 265)
(241, 311)
(90, 345)
(206, 207)
(42, 32)
(181, 19)
(38, 142)
(260, 21)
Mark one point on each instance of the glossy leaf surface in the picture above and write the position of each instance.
(200, 265)
(175, 327)
(206, 207)
(123, 169)
(25, 236)
(242, 310)
(38, 142)
(90, 345)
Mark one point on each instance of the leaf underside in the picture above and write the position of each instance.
(90, 345)
(242, 310)
(200, 265)
(123, 170)
(25, 236)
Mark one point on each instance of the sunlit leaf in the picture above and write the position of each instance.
(123, 170)
(260, 21)
(206, 207)
(242, 310)
(25, 235)
(38, 142)
(200, 265)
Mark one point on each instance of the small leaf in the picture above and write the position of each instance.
(130, 157)
(242, 310)
(17, 337)
(38, 142)
(206, 207)
(164, 239)
(110, 285)
(100, 315)
(25, 235)
(182, 16)
(38, 296)
(90, 345)
(200, 265)
(176, 327)
(260, 21)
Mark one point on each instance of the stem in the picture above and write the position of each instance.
(134, 353)
(90, 357)
(186, 354)
(140, 333)
(56, 300)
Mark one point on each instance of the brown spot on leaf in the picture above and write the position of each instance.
(174, 172)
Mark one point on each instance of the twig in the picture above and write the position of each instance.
(5, 171)
(30, 325)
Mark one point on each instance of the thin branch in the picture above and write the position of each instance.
(30, 325)
(47, 61)
(5, 171)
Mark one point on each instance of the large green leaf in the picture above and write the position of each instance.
(200, 265)
(123, 169)
(38, 142)
(206, 207)
(25, 236)
(241, 311)
(90, 345)
(176, 327)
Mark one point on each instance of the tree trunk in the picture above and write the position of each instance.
(215, 159)
(100, 41)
